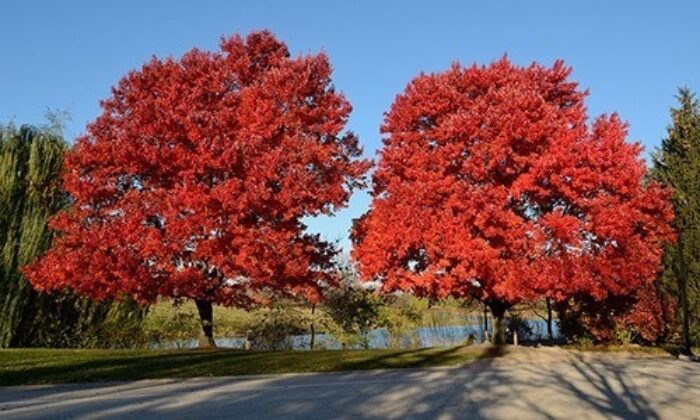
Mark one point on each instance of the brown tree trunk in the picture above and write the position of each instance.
(486, 324)
(499, 333)
(206, 318)
(550, 332)
(313, 327)
(683, 286)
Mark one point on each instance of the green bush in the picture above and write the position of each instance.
(274, 329)
(517, 323)
(355, 312)
(171, 323)
(401, 315)
(623, 334)
(122, 328)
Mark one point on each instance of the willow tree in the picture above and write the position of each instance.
(30, 163)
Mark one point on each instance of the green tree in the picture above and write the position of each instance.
(30, 165)
(677, 164)
(356, 310)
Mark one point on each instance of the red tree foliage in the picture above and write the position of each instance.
(643, 316)
(193, 181)
(492, 184)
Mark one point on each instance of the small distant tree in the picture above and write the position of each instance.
(355, 309)
(544, 310)
(677, 164)
(194, 180)
(492, 184)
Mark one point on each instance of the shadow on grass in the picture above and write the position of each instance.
(110, 366)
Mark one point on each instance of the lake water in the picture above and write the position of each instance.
(380, 338)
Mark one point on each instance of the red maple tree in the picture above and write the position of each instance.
(193, 181)
(493, 185)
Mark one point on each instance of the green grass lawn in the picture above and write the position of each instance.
(44, 366)
(41, 366)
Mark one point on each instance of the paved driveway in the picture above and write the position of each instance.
(542, 383)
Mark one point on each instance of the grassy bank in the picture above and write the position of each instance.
(40, 366)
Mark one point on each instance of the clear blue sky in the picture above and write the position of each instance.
(632, 55)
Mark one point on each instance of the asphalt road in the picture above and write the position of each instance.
(543, 383)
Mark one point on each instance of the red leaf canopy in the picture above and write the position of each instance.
(492, 184)
(193, 181)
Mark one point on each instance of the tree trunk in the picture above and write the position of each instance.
(486, 324)
(683, 286)
(550, 332)
(248, 344)
(313, 327)
(206, 318)
(499, 334)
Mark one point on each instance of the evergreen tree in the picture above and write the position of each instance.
(30, 165)
(677, 164)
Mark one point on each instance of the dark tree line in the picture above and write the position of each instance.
(677, 164)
